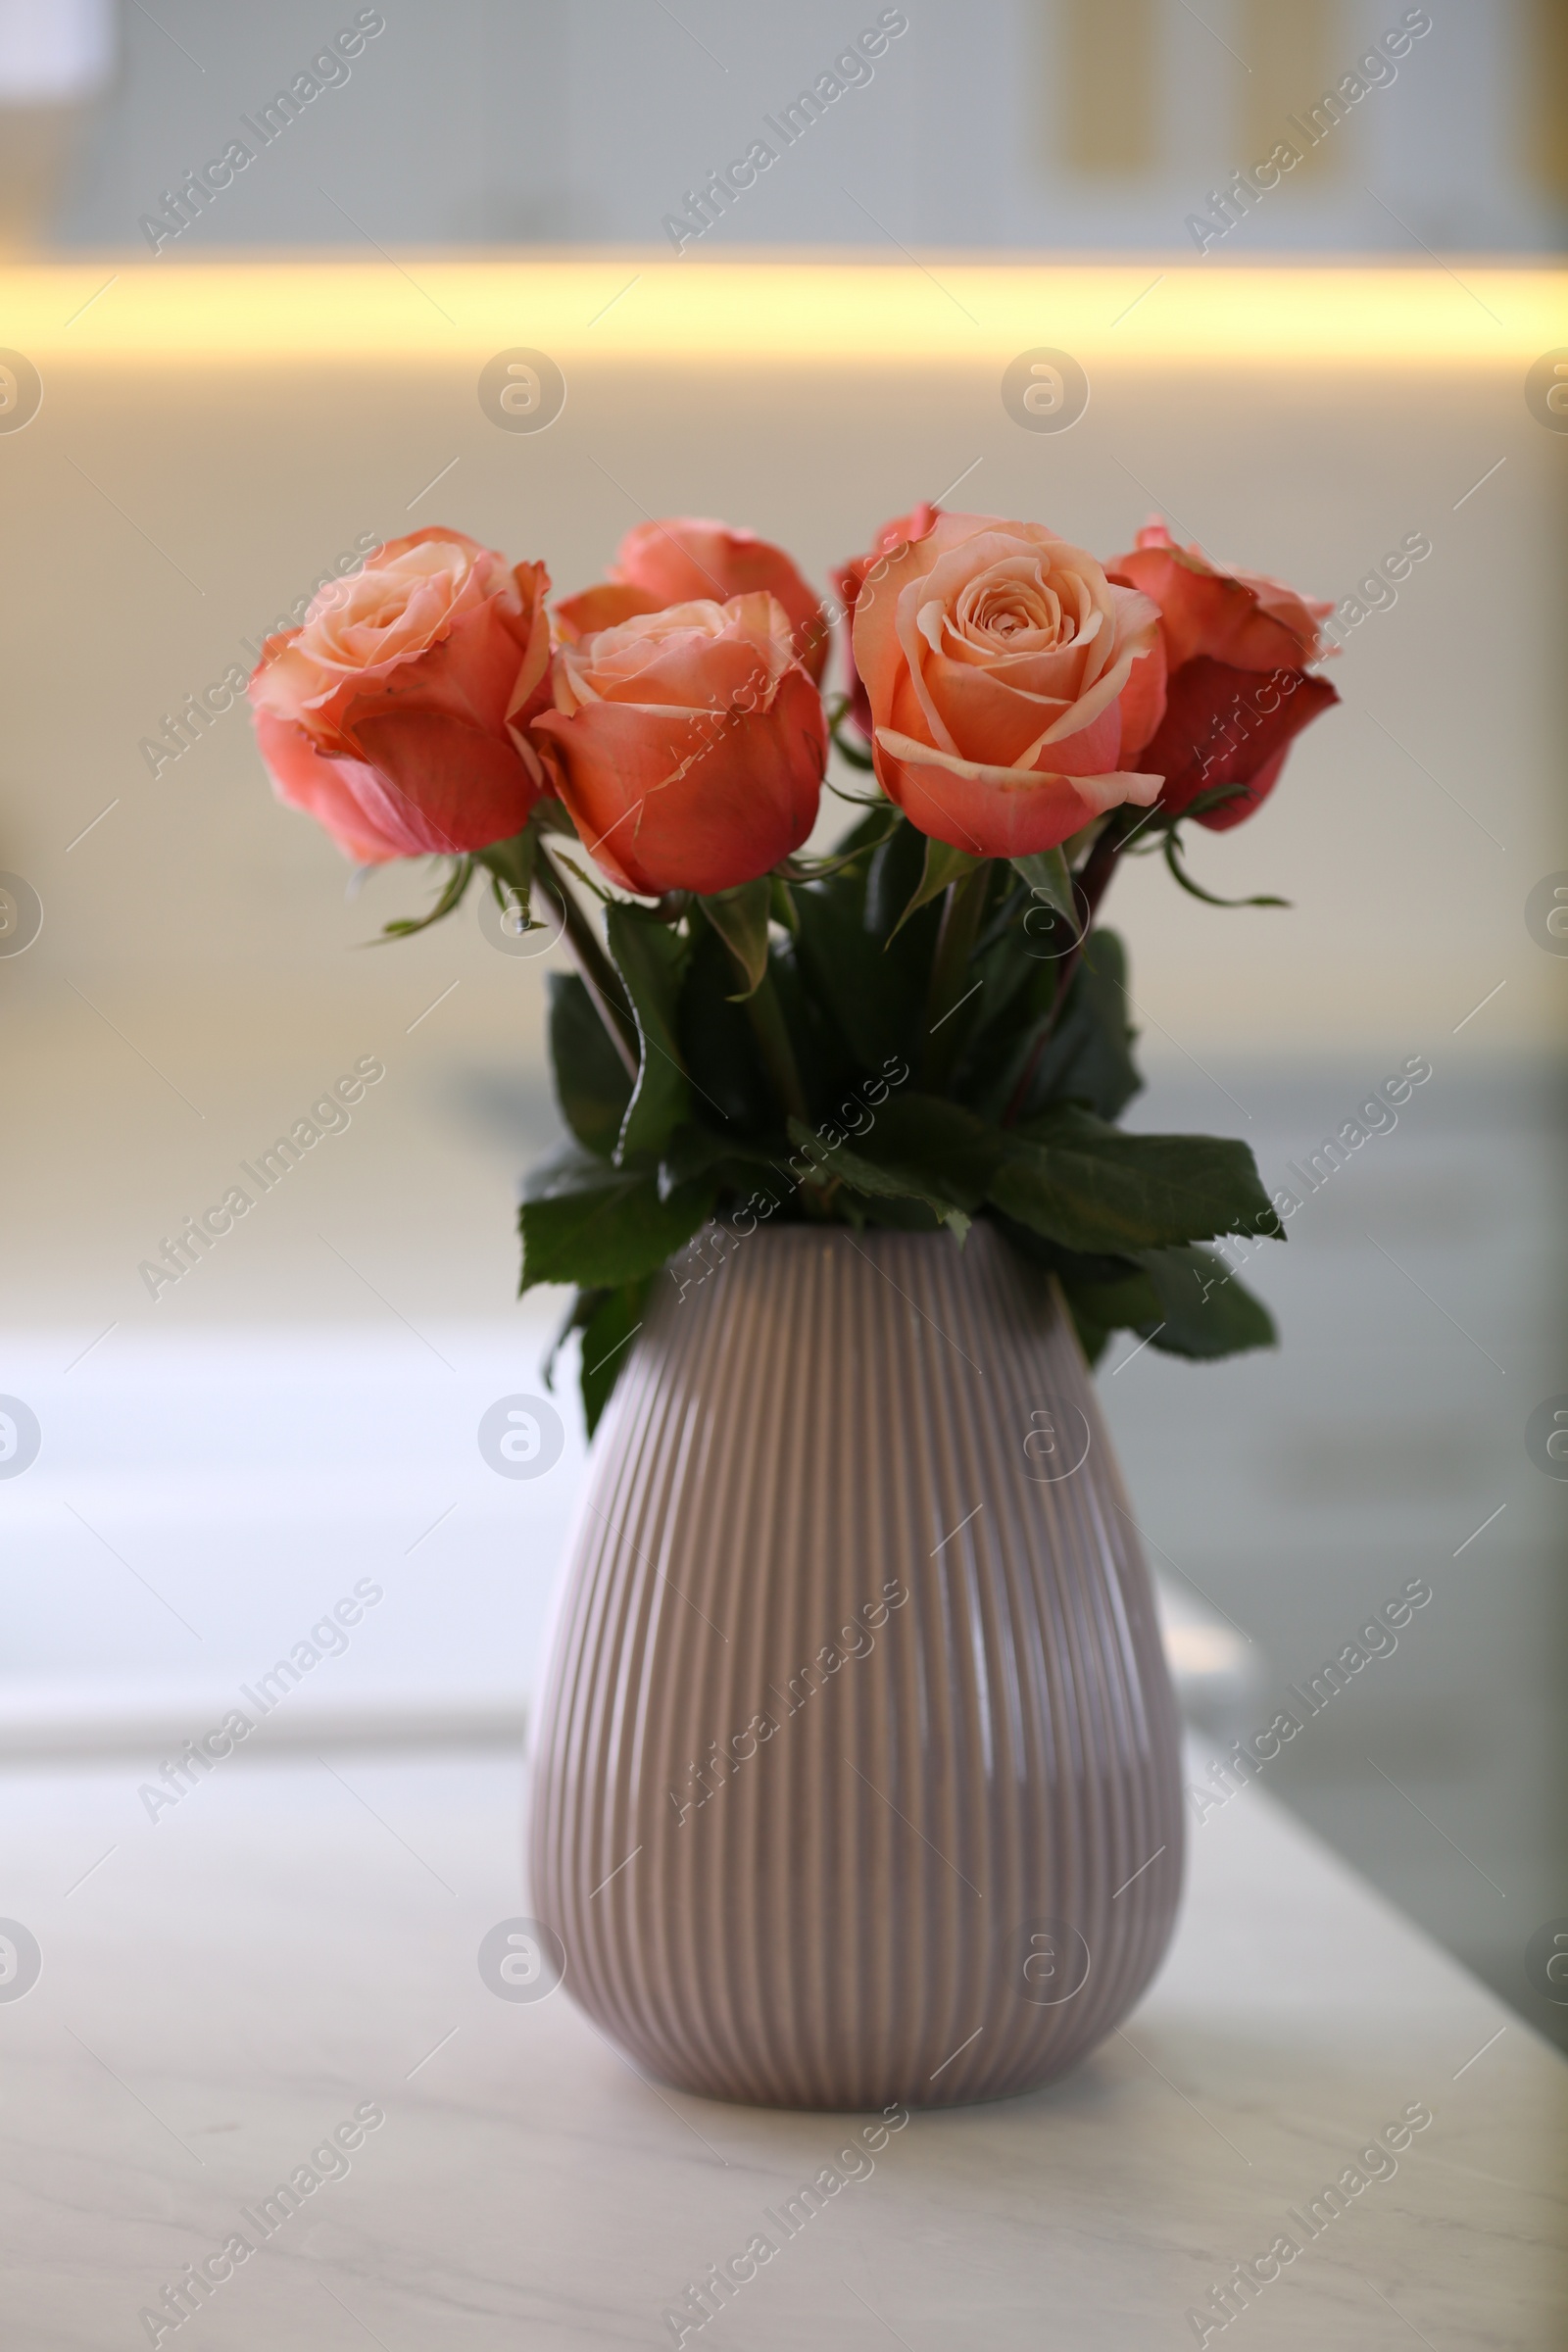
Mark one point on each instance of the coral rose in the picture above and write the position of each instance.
(689, 745)
(1238, 648)
(395, 715)
(1009, 683)
(685, 560)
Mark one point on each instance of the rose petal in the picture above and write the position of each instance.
(604, 605)
(997, 812)
(1237, 618)
(1224, 725)
(687, 557)
(432, 785)
(325, 788)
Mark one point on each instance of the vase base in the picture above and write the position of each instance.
(817, 2085)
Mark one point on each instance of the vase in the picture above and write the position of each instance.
(856, 1773)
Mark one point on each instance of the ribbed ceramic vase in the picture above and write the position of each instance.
(856, 1776)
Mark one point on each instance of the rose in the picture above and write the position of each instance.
(1241, 617)
(688, 745)
(849, 578)
(688, 559)
(1008, 681)
(396, 713)
(1238, 647)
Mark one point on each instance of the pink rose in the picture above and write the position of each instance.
(396, 713)
(1238, 648)
(1010, 685)
(686, 560)
(688, 745)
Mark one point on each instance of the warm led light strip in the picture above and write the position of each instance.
(425, 310)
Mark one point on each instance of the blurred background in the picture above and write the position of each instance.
(1034, 125)
(222, 393)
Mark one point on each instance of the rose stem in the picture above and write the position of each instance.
(1093, 882)
(961, 910)
(594, 966)
(767, 1016)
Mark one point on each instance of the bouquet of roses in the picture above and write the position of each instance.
(922, 1025)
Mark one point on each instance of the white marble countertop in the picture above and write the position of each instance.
(298, 1941)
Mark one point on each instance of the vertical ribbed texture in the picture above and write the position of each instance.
(797, 1883)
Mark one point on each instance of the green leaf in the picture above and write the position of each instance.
(741, 917)
(1104, 1293)
(585, 1304)
(1004, 964)
(1048, 875)
(592, 1087)
(891, 879)
(608, 1334)
(589, 880)
(877, 1179)
(695, 1152)
(943, 864)
(1086, 1184)
(1072, 1265)
(1088, 1055)
(857, 844)
(1127, 1300)
(1196, 890)
(651, 958)
(1204, 1310)
(717, 1044)
(863, 991)
(1092, 1337)
(585, 1222)
(451, 894)
(951, 1151)
(1184, 1302)
(1215, 797)
(549, 815)
(869, 832)
(510, 865)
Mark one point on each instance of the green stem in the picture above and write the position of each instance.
(962, 912)
(598, 973)
(767, 1016)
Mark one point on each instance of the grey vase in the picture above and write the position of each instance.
(856, 1776)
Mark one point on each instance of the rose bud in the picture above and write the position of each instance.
(849, 578)
(1011, 684)
(687, 560)
(1238, 648)
(688, 745)
(395, 715)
